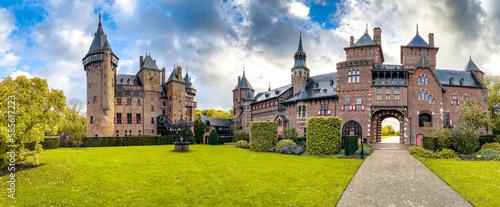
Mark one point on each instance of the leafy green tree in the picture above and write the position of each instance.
(213, 138)
(387, 130)
(36, 107)
(465, 139)
(189, 135)
(443, 136)
(73, 123)
(473, 115)
(240, 135)
(493, 85)
(199, 130)
(291, 134)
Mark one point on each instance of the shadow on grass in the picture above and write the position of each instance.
(19, 168)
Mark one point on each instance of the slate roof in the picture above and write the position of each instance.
(471, 66)
(445, 75)
(300, 63)
(100, 41)
(249, 96)
(283, 116)
(174, 76)
(364, 40)
(423, 63)
(149, 63)
(418, 41)
(300, 56)
(125, 79)
(320, 86)
(212, 121)
(244, 82)
(389, 67)
(187, 79)
(264, 96)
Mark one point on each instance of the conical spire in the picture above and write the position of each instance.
(100, 41)
(249, 96)
(418, 41)
(471, 65)
(303, 94)
(300, 49)
(300, 55)
(269, 87)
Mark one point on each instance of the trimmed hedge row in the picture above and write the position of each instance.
(351, 145)
(430, 143)
(263, 135)
(125, 141)
(323, 135)
(47, 143)
(223, 140)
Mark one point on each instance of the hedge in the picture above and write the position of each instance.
(486, 139)
(125, 141)
(47, 143)
(351, 145)
(223, 140)
(430, 143)
(263, 135)
(324, 135)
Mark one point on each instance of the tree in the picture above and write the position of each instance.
(240, 135)
(465, 139)
(236, 125)
(290, 133)
(74, 124)
(474, 116)
(29, 106)
(213, 138)
(387, 130)
(493, 85)
(199, 130)
(443, 136)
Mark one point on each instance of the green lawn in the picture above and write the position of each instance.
(157, 176)
(384, 137)
(477, 181)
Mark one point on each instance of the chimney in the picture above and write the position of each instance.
(179, 70)
(377, 35)
(140, 61)
(163, 75)
(154, 61)
(352, 41)
(431, 39)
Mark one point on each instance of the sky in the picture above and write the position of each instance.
(215, 40)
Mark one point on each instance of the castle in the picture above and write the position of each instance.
(364, 91)
(133, 105)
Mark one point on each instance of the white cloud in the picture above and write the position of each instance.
(298, 9)
(19, 73)
(7, 57)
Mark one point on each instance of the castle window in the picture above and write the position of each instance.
(119, 118)
(411, 51)
(419, 80)
(152, 120)
(358, 74)
(354, 51)
(387, 94)
(152, 97)
(467, 98)
(152, 86)
(119, 101)
(138, 117)
(170, 109)
(433, 101)
(129, 101)
(152, 108)
(446, 117)
(361, 50)
(89, 83)
(379, 94)
(95, 99)
(301, 111)
(347, 102)
(164, 103)
(324, 109)
(426, 81)
(164, 112)
(426, 97)
(451, 81)
(358, 103)
(349, 76)
(419, 96)
(300, 73)
(396, 93)
(454, 99)
(430, 99)
(128, 81)
(139, 102)
(129, 118)
(91, 119)
(462, 81)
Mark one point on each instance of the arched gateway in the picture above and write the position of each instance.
(376, 125)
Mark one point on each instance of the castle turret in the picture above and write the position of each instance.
(190, 103)
(300, 72)
(418, 47)
(239, 93)
(100, 66)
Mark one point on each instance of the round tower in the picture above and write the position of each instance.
(300, 72)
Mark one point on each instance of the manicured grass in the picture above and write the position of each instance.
(477, 181)
(384, 137)
(157, 176)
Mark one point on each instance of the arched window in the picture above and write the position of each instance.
(430, 99)
(349, 76)
(300, 73)
(424, 120)
(351, 127)
(419, 80)
(451, 81)
(426, 80)
(462, 81)
(358, 74)
(426, 96)
(434, 101)
(419, 97)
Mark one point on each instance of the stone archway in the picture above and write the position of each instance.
(376, 124)
(351, 128)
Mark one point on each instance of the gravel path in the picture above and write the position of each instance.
(393, 177)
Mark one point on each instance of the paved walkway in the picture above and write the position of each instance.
(395, 178)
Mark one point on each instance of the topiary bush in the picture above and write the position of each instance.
(367, 150)
(445, 154)
(430, 143)
(243, 144)
(494, 145)
(324, 135)
(489, 153)
(290, 133)
(465, 140)
(351, 144)
(213, 138)
(240, 135)
(284, 143)
(444, 140)
(419, 151)
(263, 135)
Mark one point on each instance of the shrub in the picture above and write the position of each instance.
(489, 153)
(323, 135)
(494, 145)
(419, 151)
(465, 140)
(443, 136)
(430, 143)
(290, 133)
(240, 135)
(351, 144)
(445, 154)
(485, 139)
(367, 150)
(243, 144)
(213, 138)
(263, 135)
(125, 141)
(284, 143)
(223, 140)
(47, 143)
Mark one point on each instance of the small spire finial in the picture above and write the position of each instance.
(99, 18)
(417, 28)
(243, 69)
(470, 57)
(366, 28)
(269, 86)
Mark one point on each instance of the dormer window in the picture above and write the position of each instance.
(121, 80)
(331, 82)
(451, 81)
(316, 85)
(462, 81)
(128, 81)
